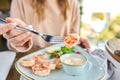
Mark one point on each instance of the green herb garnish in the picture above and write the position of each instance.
(67, 50)
(62, 51)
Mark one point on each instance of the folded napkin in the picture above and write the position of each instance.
(110, 65)
(6, 61)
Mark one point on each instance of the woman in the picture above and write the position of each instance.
(53, 17)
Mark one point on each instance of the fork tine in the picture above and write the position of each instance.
(57, 39)
(54, 42)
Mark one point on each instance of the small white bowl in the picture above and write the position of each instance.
(73, 69)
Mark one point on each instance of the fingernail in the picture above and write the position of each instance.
(14, 24)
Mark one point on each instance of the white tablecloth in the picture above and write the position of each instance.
(6, 61)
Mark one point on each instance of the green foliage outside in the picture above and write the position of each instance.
(112, 31)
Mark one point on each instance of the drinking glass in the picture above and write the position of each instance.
(99, 22)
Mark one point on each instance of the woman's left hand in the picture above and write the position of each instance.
(85, 44)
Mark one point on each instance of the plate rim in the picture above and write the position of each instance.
(21, 73)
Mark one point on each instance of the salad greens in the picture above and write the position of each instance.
(62, 51)
(67, 50)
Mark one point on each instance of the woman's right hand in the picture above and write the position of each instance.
(17, 37)
(7, 27)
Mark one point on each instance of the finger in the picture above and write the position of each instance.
(19, 22)
(84, 45)
(21, 39)
(15, 32)
(82, 39)
(12, 33)
(7, 27)
(85, 41)
(87, 46)
(22, 42)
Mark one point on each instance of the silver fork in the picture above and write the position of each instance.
(48, 38)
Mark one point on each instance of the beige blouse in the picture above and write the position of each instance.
(52, 25)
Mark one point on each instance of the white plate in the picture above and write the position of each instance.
(93, 70)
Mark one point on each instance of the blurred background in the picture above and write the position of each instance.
(100, 19)
(4, 8)
(102, 15)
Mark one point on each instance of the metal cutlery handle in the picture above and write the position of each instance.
(48, 38)
(3, 22)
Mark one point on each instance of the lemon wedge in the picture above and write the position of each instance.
(100, 16)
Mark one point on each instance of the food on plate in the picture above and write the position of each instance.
(71, 40)
(78, 52)
(114, 44)
(63, 50)
(27, 63)
(58, 63)
(40, 64)
(52, 49)
(74, 61)
(117, 52)
(73, 64)
(41, 70)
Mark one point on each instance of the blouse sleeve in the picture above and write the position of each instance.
(17, 11)
(75, 19)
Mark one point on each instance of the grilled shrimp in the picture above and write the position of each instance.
(41, 71)
(27, 63)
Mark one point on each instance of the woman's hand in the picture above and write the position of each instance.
(7, 27)
(85, 44)
(16, 37)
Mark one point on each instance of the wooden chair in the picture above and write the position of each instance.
(4, 9)
(0, 41)
(4, 5)
(3, 44)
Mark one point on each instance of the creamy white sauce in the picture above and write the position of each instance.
(74, 61)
